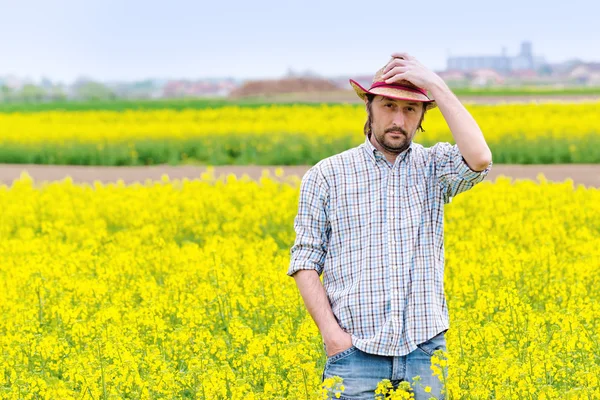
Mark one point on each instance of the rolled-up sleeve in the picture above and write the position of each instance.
(452, 171)
(311, 224)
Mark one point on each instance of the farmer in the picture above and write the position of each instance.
(370, 220)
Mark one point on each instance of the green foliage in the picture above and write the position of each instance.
(122, 105)
(297, 149)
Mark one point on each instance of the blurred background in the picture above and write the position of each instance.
(265, 83)
(102, 50)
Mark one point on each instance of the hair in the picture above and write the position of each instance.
(368, 128)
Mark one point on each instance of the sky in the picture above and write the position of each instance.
(134, 40)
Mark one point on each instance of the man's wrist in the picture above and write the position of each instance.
(438, 88)
(331, 331)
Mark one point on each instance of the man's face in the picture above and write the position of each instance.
(395, 122)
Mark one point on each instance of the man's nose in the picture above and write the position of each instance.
(399, 119)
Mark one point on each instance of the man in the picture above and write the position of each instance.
(370, 219)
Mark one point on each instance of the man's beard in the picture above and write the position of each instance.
(385, 141)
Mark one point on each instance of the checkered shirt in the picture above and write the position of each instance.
(375, 231)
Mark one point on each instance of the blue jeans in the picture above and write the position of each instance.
(363, 371)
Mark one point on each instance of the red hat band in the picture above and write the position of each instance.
(396, 86)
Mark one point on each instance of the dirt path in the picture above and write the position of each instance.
(586, 174)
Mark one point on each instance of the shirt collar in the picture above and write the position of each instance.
(376, 155)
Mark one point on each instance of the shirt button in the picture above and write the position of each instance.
(394, 267)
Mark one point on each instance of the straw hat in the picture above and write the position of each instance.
(403, 90)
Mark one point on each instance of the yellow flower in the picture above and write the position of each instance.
(174, 289)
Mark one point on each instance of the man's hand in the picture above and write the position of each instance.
(311, 288)
(403, 66)
(337, 342)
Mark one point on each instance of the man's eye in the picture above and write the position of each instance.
(389, 105)
(411, 109)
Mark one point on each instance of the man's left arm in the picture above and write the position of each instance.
(466, 132)
(461, 166)
(464, 128)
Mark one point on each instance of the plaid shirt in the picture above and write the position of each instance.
(375, 231)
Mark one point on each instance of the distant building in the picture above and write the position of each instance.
(484, 77)
(200, 88)
(588, 73)
(503, 63)
(453, 75)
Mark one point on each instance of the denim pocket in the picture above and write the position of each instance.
(435, 343)
(342, 354)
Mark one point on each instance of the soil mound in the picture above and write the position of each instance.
(281, 86)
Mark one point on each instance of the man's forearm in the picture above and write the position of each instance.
(317, 304)
(464, 128)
